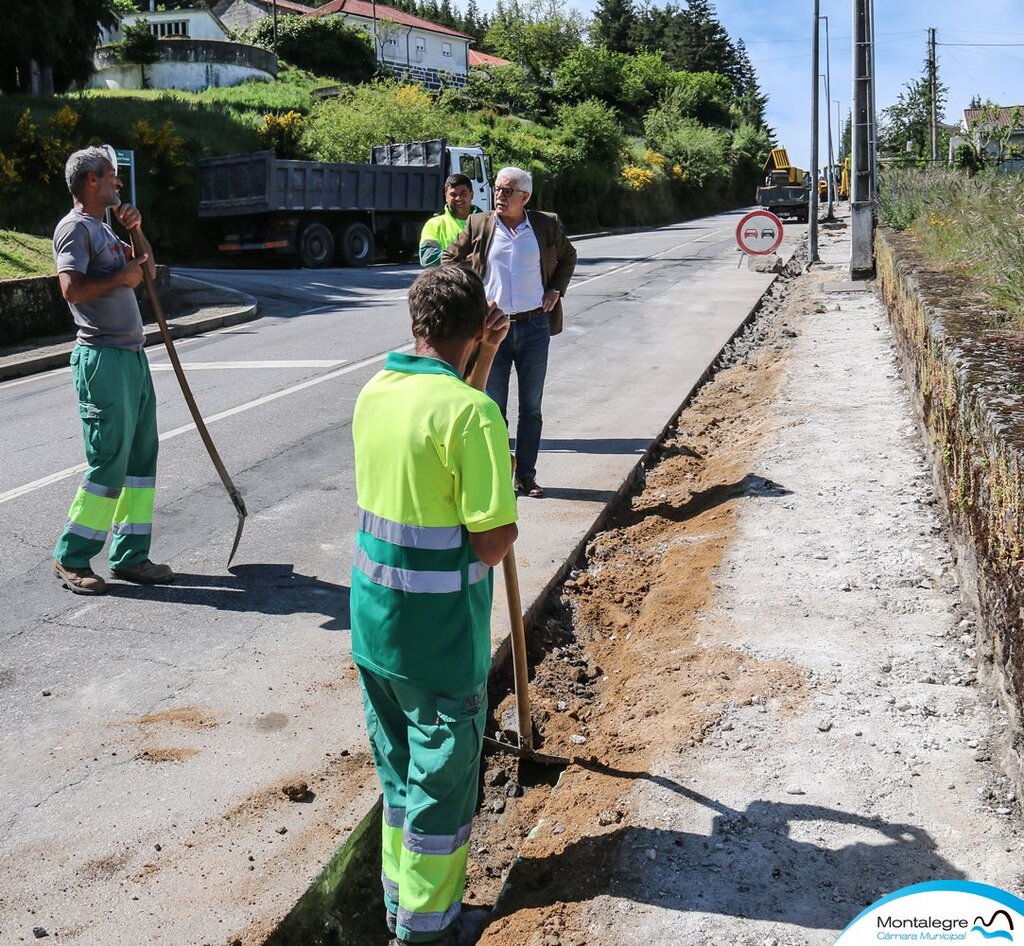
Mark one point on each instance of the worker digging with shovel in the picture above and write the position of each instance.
(437, 511)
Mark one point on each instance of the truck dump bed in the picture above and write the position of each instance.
(261, 183)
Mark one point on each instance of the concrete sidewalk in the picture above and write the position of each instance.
(192, 307)
(851, 750)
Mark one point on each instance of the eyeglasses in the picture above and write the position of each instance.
(503, 191)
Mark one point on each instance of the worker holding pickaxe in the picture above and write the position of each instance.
(98, 274)
(436, 511)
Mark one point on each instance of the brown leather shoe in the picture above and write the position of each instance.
(528, 486)
(79, 581)
(145, 573)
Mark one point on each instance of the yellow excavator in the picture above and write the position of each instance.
(786, 189)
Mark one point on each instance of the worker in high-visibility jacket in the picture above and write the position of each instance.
(443, 228)
(436, 512)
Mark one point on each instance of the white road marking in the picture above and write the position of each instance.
(625, 267)
(178, 431)
(222, 365)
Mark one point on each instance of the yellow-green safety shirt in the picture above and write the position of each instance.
(438, 232)
(432, 465)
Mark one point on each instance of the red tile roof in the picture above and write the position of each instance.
(477, 58)
(999, 117)
(365, 9)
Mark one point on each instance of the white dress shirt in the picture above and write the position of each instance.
(512, 278)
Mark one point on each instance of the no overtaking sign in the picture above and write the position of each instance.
(759, 233)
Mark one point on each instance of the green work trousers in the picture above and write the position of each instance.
(118, 410)
(427, 749)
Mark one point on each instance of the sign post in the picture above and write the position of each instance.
(759, 233)
(126, 159)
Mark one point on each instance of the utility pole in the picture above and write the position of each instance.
(872, 100)
(933, 84)
(861, 158)
(830, 177)
(839, 132)
(812, 197)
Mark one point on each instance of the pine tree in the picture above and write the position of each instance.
(615, 25)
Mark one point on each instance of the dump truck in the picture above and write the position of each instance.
(325, 213)
(786, 190)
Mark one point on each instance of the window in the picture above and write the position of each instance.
(421, 48)
(169, 28)
(470, 166)
(446, 49)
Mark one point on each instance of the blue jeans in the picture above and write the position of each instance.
(525, 347)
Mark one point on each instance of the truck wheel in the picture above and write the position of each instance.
(355, 245)
(316, 246)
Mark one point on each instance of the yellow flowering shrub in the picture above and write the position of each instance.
(165, 150)
(411, 96)
(637, 178)
(654, 159)
(282, 133)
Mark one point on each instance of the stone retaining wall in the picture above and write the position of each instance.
(35, 308)
(968, 372)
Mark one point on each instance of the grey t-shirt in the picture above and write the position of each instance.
(85, 244)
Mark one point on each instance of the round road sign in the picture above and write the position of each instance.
(759, 233)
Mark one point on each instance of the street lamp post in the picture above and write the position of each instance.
(830, 178)
(829, 192)
(812, 198)
(839, 130)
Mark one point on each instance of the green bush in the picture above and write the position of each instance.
(590, 72)
(324, 45)
(505, 89)
(345, 128)
(701, 153)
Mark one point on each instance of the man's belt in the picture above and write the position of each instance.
(523, 316)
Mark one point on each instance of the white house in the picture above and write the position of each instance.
(408, 45)
(194, 51)
(998, 130)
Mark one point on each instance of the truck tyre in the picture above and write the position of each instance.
(316, 246)
(355, 245)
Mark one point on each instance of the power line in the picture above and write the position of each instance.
(985, 45)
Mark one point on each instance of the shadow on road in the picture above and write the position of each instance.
(263, 589)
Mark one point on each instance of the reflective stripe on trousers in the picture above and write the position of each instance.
(412, 580)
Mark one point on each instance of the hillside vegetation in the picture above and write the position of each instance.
(24, 255)
(613, 136)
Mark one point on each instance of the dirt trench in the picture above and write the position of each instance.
(618, 670)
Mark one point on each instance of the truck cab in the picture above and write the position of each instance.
(474, 164)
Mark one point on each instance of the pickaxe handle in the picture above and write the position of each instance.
(197, 417)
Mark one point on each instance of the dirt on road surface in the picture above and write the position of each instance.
(767, 668)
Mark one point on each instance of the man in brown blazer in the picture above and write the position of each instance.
(526, 261)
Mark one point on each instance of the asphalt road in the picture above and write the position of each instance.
(189, 699)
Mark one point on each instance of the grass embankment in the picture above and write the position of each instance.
(970, 225)
(24, 255)
(170, 131)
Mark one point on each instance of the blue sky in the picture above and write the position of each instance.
(778, 38)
